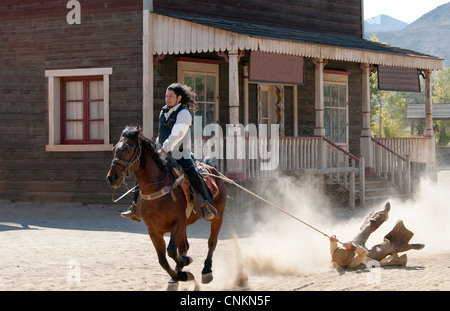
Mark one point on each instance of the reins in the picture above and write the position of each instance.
(139, 189)
(224, 178)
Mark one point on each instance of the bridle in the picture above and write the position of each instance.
(126, 166)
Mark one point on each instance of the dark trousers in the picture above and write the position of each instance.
(195, 178)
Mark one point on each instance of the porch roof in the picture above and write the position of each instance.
(173, 34)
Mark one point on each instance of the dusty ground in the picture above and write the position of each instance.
(75, 247)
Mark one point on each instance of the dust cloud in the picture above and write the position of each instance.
(279, 244)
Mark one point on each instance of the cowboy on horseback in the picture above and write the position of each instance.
(174, 123)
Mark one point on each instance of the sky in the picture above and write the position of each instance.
(405, 10)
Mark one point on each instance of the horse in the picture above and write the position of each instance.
(134, 153)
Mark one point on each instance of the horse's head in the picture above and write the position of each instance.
(127, 153)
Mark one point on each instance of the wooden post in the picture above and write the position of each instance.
(428, 105)
(362, 183)
(295, 103)
(351, 192)
(319, 98)
(147, 78)
(366, 145)
(245, 85)
(233, 94)
(235, 168)
(319, 130)
(429, 132)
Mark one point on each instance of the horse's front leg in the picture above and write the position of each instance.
(160, 247)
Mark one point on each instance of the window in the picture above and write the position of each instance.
(335, 104)
(78, 107)
(82, 115)
(203, 77)
(204, 86)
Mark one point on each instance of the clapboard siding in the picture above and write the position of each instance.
(35, 37)
(330, 16)
(21, 9)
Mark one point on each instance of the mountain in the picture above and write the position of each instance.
(383, 23)
(429, 34)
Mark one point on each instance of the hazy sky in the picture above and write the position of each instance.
(405, 10)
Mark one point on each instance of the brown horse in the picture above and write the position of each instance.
(136, 154)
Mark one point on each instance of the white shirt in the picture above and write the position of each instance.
(179, 130)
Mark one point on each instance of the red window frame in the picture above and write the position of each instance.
(86, 102)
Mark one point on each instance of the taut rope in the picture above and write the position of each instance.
(223, 177)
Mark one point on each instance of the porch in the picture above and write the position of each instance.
(397, 160)
(327, 151)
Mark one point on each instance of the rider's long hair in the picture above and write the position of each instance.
(187, 95)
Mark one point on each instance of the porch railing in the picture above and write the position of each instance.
(316, 155)
(417, 148)
(392, 166)
(295, 153)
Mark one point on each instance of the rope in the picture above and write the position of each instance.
(223, 177)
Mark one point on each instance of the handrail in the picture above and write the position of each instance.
(388, 149)
(393, 167)
(340, 149)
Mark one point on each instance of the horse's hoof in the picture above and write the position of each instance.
(172, 286)
(185, 276)
(207, 278)
(190, 276)
(187, 260)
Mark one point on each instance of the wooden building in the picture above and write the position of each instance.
(69, 86)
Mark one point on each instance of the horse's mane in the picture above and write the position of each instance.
(160, 159)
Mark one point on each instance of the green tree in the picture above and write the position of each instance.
(441, 95)
(441, 86)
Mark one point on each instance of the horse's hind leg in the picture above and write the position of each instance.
(207, 275)
(178, 241)
(183, 248)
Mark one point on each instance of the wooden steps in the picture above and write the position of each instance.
(377, 191)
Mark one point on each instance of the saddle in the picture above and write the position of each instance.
(193, 199)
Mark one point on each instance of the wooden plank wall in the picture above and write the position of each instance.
(330, 16)
(30, 44)
(20, 9)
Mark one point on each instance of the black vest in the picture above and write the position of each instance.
(165, 126)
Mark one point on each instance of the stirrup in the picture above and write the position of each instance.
(206, 213)
(212, 209)
(131, 213)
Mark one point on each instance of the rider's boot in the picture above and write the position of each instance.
(206, 211)
(132, 213)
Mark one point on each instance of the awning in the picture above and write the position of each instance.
(174, 34)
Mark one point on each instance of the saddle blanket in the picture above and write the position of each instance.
(187, 187)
